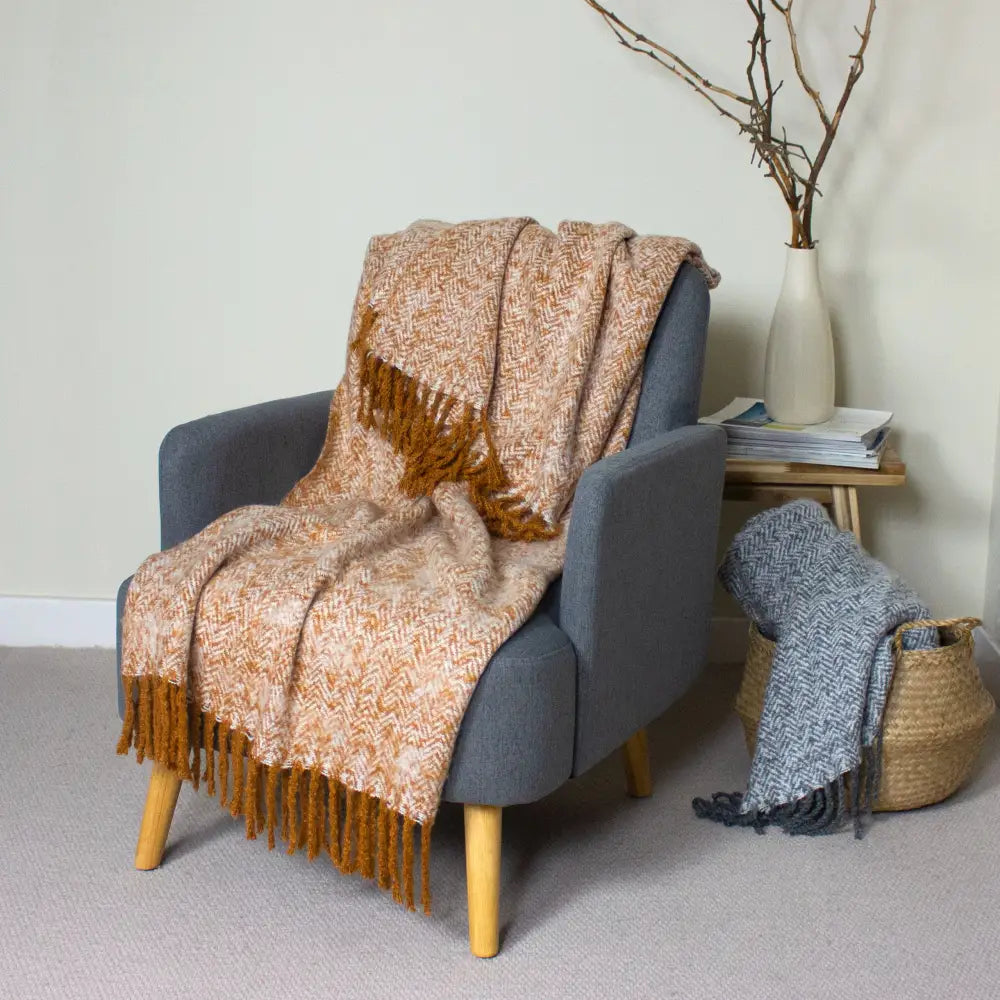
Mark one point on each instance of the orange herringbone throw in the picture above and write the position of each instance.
(312, 661)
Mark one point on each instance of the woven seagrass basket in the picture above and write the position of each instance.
(935, 720)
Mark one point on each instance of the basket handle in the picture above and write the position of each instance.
(966, 624)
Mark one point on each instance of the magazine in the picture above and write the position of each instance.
(745, 417)
(860, 459)
(851, 437)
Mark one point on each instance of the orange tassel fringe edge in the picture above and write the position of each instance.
(357, 831)
(436, 435)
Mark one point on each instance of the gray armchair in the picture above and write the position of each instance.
(615, 640)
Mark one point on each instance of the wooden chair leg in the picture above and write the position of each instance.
(482, 875)
(159, 811)
(637, 776)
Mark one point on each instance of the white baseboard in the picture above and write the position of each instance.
(988, 657)
(987, 648)
(56, 621)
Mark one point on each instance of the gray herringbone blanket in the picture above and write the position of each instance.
(832, 610)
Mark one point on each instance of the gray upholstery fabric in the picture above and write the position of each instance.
(675, 359)
(252, 455)
(516, 740)
(122, 591)
(613, 642)
(637, 583)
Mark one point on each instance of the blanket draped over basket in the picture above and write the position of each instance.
(832, 610)
(328, 646)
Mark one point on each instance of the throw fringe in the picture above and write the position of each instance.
(222, 740)
(208, 742)
(366, 860)
(408, 861)
(237, 743)
(382, 850)
(273, 773)
(160, 723)
(823, 810)
(292, 807)
(145, 716)
(333, 809)
(441, 440)
(348, 839)
(397, 893)
(196, 729)
(250, 799)
(313, 821)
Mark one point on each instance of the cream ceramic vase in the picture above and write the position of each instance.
(799, 367)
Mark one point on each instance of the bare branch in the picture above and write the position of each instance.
(676, 69)
(786, 13)
(754, 42)
(616, 22)
(853, 75)
(758, 51)
(796, 148)
(782, 158)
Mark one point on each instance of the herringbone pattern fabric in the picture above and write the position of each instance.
(342, 633)
(832, 610)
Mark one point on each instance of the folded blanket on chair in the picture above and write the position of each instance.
(832, 610)
(329, 646)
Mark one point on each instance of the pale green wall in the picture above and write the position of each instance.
(188, 189)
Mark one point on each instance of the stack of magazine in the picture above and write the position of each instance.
(854, 438)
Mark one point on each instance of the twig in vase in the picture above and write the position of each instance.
(786, 162)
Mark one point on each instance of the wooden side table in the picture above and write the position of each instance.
(832, 485)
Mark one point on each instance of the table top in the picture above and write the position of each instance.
(892, 472)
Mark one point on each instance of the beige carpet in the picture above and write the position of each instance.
(603, 896)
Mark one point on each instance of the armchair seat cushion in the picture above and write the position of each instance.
(515, 743)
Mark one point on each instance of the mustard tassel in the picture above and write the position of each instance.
(195, 729)
(312, 811)
(333, 809)
(425, 867)
(250, 799)
(236, 745)
(259, 798)
(161, 722)
(365, 860)
(182, 738)
(292, 795)
(145, 718)
(208, 741)
(273, 773)
(408, 862)
(345, 848)
(128, 723)
(382, 840)
(223, 731)
(397, 894)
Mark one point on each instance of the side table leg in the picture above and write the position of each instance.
(852, 502)
(845, 509)
(841, 508)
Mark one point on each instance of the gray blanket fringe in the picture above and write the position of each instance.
(822, 811)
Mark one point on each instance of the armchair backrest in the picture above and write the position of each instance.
(675, 359)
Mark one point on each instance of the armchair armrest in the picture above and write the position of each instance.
(637, 584)
(252, 455)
